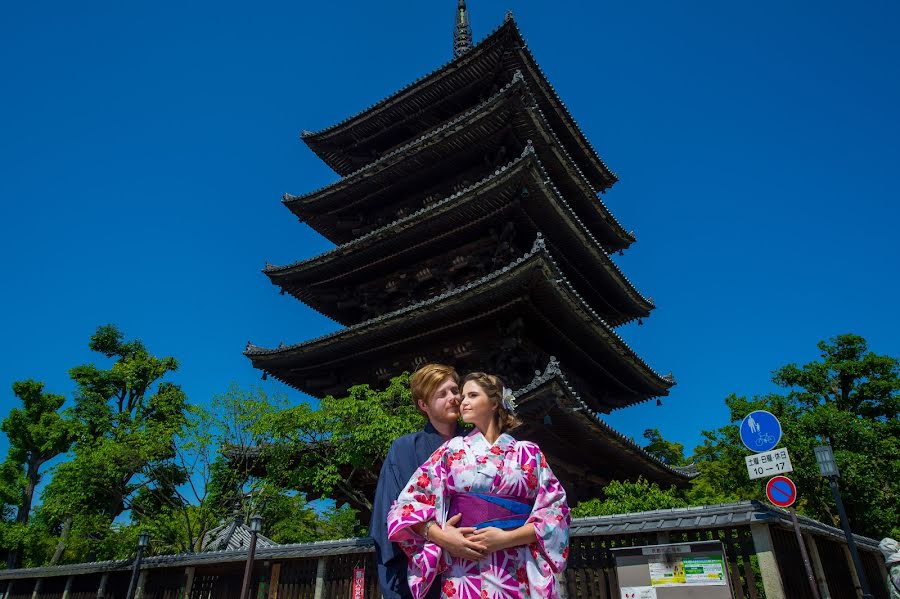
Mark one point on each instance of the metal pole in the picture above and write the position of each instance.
(134, 573)
(845, 524)
(245, 588)
(806, 564)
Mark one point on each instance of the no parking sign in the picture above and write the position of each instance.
(781, 491)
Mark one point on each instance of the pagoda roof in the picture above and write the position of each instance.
(437, 146)
(576, 435)
(532, 287)
(504, 50)
(381, 250)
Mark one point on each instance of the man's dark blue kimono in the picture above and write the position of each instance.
(406, 454)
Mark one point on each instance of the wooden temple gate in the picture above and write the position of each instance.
(763, 562)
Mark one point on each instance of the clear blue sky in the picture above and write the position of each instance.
(145, 148)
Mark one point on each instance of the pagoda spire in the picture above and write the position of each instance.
(462, 34)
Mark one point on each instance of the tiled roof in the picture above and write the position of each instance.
(554, 372)
(233, 535)
(386, 232)
(561, 281)
(518, 83)
(507, 32)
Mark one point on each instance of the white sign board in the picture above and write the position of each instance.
(769, 463)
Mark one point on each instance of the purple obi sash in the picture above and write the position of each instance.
(480, 510)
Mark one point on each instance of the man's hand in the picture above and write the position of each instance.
(457, 541)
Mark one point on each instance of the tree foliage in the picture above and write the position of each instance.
(139, 456)
(127, 420)
(338, 448)
(668, 452)
(37, 433)
(848, 398)
(622, 497)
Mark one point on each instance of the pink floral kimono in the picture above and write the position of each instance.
(508, 468)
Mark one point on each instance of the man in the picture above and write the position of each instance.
(435, 391)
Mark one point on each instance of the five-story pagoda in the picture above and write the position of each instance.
(469, 231)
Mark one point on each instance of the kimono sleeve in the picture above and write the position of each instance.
(550, 517)
(423, 498)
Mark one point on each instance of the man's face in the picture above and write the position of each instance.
(444, 404)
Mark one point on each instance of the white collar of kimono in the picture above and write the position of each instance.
(503, 441)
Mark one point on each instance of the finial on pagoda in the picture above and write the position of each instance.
(462, 34)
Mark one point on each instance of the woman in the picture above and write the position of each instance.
(514, 533)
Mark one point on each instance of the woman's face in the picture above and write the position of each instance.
(476, 407)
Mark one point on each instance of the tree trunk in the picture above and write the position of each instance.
(23, 512)
(31, 481)
(61, 545)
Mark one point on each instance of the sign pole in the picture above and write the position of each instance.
(809, 573)
(851, 544)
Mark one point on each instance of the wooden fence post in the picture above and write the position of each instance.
(189, 573)
(320, 580)
(101, 589)
(818, 570)
(68, 589)
(141, 584)
(852, 569)
(768, 565)
(276, 577)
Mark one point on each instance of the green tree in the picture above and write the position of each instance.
(203, 487)
(622, 497)
(668, 452)
(127, 420)
(37, 433)
(848, 398)
(337, 449)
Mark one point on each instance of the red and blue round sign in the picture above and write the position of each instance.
(781, 491)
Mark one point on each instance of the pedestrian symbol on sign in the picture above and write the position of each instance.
(760, 431)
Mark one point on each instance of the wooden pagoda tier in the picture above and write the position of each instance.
(469, 232)
(447, 92)
(584, 451)
(459, 239)
(509, 321)
(462, 150)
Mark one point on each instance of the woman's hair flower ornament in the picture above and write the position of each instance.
(509, 400)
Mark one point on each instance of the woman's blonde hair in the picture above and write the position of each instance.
(427, 379)
(492, 385)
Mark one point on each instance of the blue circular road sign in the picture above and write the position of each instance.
(760, 431)
(781, 491)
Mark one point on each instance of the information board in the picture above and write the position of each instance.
(673, 571)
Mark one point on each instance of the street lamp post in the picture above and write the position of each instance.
(255, 527)
(143, 542)
(828, 469)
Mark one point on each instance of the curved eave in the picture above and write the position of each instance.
(318, 141)
(401, 161)
(604, 177)
(400, 236)
(395, 324)
(308, 204)
(456, 71)
(593, 426)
